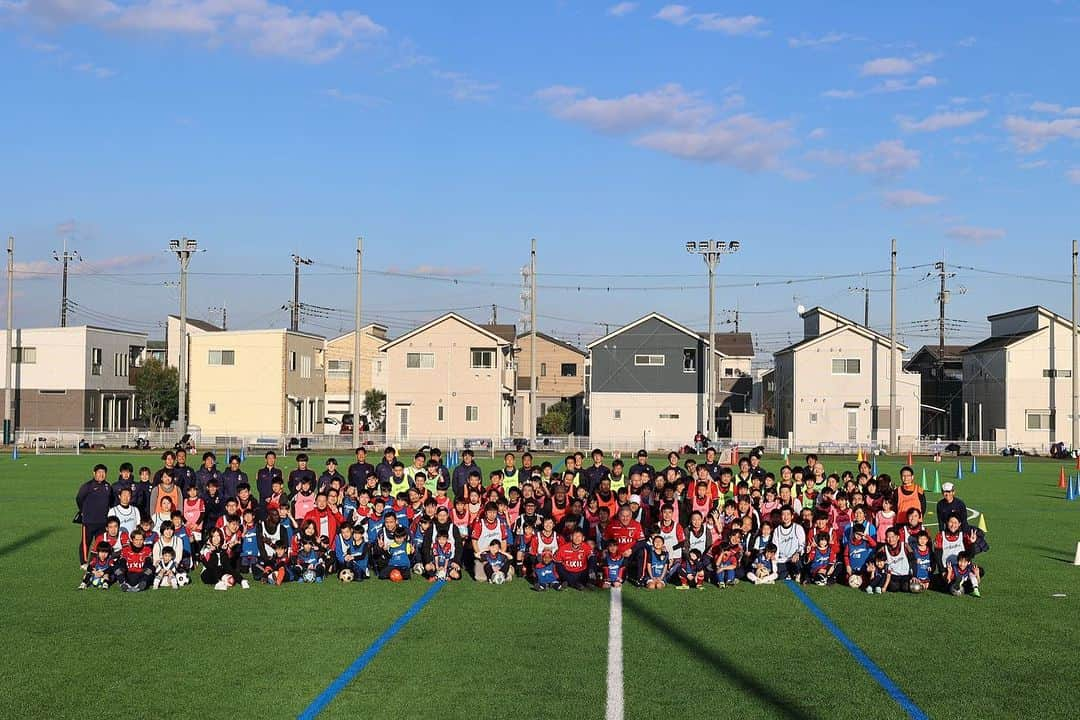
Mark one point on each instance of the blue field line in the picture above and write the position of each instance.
(863, 659)
(327, 696)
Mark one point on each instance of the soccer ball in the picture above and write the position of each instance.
(855, 581)
(182, 579)
(229, 580)
(498, 578)
(346, 575)
(917, 586)
(396, 576)
(418, 569)
(440, 573)
(98, 582)
(762, 571)
(309, 576)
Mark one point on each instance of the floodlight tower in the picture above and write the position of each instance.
(184, 249)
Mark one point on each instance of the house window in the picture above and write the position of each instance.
(213, 408)
(292, 361)
(618, 414)
(378, 366)
(419, 361)
(649, 360)
(568, 370)
(95, 361)
(483, 358)
(24, 355)
(472, 413)
(1057, 373)
(543, 369)
(669, 416)
(689, 360)
(543, 409)
(846, 366)
(338, 368)
(1039, 419)
(120, 364)
(305, 367)
(881, 417)
(729, 372)
(439, 413)
(222, 357)
(813, 418)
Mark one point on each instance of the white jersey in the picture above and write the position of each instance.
(950, 548)
(543, 545)
(898, 563)
(129, 517)
(671, 540)
(700, 542)
(789, 541)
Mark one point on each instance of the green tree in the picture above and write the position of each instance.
(557, 419)
(375, 408)
(156, 388)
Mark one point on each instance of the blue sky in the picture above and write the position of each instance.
(448, 134)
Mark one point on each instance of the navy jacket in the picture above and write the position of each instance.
(94, 500)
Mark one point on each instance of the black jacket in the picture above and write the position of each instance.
(94, 500)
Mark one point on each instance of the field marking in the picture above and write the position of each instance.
(615, 658)
(341, 681)
(913, 711)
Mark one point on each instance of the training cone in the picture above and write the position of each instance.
(982, 522)
(973, 466)
(1070, 490)
(909, 461)
(937, 482)
(14, 451)
(1019, 463)
(873, 469)
(959, 471)
(1061, 478)
(924, 485)
(1076, 560)
(859, 456)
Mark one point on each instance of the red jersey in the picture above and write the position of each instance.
(118, 542)
(574, 558)
(326, 522)
(626, 536)
(136, 559)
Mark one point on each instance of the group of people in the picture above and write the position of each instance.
(686, 524)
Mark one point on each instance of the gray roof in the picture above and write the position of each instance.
(200, 324)
(732, 344)
(554, 341)
(952, 352)
(996, 343)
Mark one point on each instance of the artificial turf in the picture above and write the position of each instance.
(479, 651)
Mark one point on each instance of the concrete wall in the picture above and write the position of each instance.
(984, 383)
(614, 369)
(639, 416)
(1019, 323)
(371, 375)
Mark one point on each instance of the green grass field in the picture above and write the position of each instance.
(481, 651)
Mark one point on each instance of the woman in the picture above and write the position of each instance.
(219, 568)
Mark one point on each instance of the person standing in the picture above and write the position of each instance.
(266, 475)
(948, 505)
(360, 470)
(93, 500)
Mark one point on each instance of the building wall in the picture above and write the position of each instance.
(372, 375)
(614, 369)
(1019, 323)
(1027, 389)
(172, 339)
(551, 385)
(639, 419)
(452, 384)
(984, 384)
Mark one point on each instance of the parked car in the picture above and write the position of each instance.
(347, 423)
(331, 426)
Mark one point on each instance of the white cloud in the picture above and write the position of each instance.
(439, 270)
(817, 134)
(368, 101)
(941, 121)
(263, 27)
(101, 73)
(621, 9)
(1073, 175)
(892, 85)
(713, 22)
(975, 235)
(887, 160)
(895, 65)
(743, 141)
(1034, 164)
(908, 198)
(840, 94)
(1054, 109)
(967, 42)
(810, 41)
(464, 88)
(669, 105)
(1033, 135)
(43, 269)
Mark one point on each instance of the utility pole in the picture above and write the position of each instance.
(357, 358)
(865, 290)
(9, 406)
(892, 351)
(65, 257)
(710, 251)
(736, 319)
(532, 345)
(1075, 386)
(295, 317)
(494, 314)
(184, 249)
(224, 315)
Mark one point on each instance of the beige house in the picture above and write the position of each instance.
(560, 375)
(339, 375)
(1018, 382)
(833, 386)
(449, 378)
(172, 336)
(246, 383)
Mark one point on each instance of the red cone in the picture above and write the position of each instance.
(910, 464)
(1061, 479)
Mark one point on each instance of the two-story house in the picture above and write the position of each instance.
(942, 376)
(449, 378)
(560, 377)
(340, 375)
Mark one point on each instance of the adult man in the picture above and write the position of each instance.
(232, 478)
(790, 540)
(948, 505)
(908, 495)
(265, 477)
(642, 465)
(169, 458)
(183, 475)
(301, 472)
(325, 517)
(386, 468)
(461, 473)
(330, 475)
(594, 475)
(360, 470)
(93, 500)
(628, 535)
(207, 471)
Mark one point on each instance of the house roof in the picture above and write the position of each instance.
(854, 327)
(952, 352)
(555, 341)
(732, 344)
(1021, 311)
(505, 332)
(1001, 341)
(650, 316)
(379, 326)
(447, 316)
(200, 324)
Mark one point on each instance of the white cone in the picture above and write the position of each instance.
(1076, 560)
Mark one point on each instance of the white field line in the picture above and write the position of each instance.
(615, 658)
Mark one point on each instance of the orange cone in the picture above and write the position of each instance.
(1078, 462)
(909, 459)
(1061, 479)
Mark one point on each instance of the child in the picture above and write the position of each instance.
(350, 553)
(963, 576)
(166, 570)
(309, 566)
(857, 554)
(878, 575)
(398, 551)
(885, 518)
(249, 546)
(546, 574)
(194, 511)
(99, 568)
(443, 558)
(135, 570)
(821, 560)
(727, 562)
(694, 571)
(922, 562)
(498, 567)
(275, 569)
(657, 564)
(764, 569)
(613, 573)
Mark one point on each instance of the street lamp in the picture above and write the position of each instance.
(710, 251)
(184, 248)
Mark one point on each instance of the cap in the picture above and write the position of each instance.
(635, 499)
(948, 487)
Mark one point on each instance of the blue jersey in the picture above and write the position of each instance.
(657, 563)
(821, 560)
(249, 542)
(443, 555)
(290, 529)
(964, 575)
(545, 574)
(496, 560)
(613, 568)
(185, 539)
(924, 564)
(374, 529)
(309, 559)
(399, 555)
(769, 565)
(343, 547)
(348, 507)
(858, 554)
